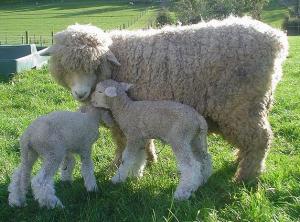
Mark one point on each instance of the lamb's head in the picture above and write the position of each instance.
(107, 90)
(80, 57)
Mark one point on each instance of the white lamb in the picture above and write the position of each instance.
(175, 123)
(55, 137)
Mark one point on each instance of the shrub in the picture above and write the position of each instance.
(165, 17)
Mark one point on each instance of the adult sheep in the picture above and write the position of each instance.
(227, 70)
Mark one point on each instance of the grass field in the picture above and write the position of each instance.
(276, 197)
(40, 20)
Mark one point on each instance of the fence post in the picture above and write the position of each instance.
(22, 40)
(52, 34)
(41, 43)
(26, 37)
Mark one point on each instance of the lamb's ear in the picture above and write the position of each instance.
(111, 57)
(47, 52)
(126, 86)
(110, 92)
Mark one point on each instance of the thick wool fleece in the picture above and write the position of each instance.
(227, 70)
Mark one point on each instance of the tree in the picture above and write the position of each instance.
(193, 11)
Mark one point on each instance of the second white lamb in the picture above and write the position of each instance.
(175, 123)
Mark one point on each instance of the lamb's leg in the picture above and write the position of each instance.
(253, 138)
(200, 152)
(120, 141)
(87, 170)
(128, 160)
(191, 176)
(42, 183)
(21, 180)
(139, 163)
(67, 167)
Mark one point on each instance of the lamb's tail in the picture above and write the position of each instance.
(21, 177)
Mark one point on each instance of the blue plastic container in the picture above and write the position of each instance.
(18, 58)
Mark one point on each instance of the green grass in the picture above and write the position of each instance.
(40, 20)
(275, 198)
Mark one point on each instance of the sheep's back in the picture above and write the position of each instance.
(212, 67)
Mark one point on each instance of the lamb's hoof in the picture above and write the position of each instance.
(16, 203)
(52, 203)
(92, 188)
(137, 174)
(66, 178)
(182, 194)
(117, 179)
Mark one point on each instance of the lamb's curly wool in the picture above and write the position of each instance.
(227, 70)
(175, 123)
(55, 137)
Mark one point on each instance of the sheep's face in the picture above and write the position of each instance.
(81, 85)
(78, 54)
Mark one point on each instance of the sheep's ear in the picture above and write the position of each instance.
(111, 57)
(110, 92)
(126, 86)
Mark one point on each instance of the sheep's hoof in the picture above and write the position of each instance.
(182, 194)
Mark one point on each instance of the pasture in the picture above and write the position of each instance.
(276, 197)
(43, 18)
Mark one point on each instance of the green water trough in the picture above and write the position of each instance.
(18, 58)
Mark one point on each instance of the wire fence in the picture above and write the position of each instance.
(46, 39)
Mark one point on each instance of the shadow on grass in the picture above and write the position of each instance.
(131, 201)
(5, 79)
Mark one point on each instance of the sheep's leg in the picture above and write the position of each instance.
(151, 152)
(128, 160)
(87, 171)
(191, 170)
(253, 139)
(253, 150)
(21, 180)
(42, 183)
(120, 141)
(67, 167)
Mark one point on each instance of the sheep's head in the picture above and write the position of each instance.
(108, 89)
(80, 58)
